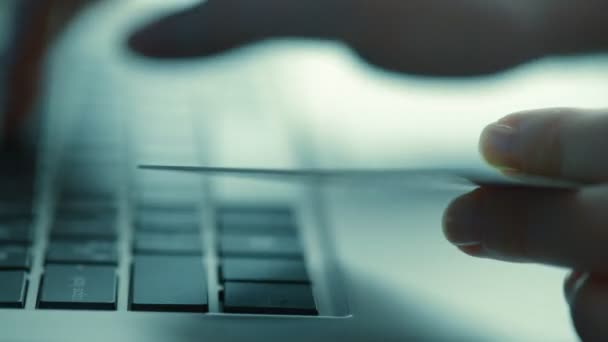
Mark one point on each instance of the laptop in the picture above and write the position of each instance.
(93, 248)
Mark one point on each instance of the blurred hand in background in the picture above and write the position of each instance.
(433, 37)
(33, 25)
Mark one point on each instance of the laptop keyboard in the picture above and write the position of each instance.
(83, 229)
(259, 258)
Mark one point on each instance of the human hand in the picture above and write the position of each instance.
(430, 37)
(562, 228)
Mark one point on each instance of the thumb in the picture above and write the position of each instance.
(562, 143)
(218, 25)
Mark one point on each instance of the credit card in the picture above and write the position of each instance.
(448, 176)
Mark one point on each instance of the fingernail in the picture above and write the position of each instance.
(570, 280)
(573, 282)
(498, 144)
(475, 250)
(458, 222)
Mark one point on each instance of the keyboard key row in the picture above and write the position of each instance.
(168, 221)
(252, 220)
(171, 243)
(260, 273)
(15, 237)
(260, 245)
(63, 287)
(159, 284)
(84, 229)
(16, 209)
(86, 209)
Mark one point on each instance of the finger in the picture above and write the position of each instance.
(571, 283)
(568, 143)
(219, 25)
(556, 227)
(588, 306)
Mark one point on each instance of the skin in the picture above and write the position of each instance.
(563, 228)
(37, 23)
(461, 38)
(431, 37)
(452, 38)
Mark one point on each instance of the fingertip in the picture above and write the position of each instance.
(177, 35)
(534, 142)
(498, 145)
(458, 224)
(588, 306)
(570, 284)
(149, 41)
(139, 41)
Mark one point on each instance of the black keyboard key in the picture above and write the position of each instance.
(101, 184)
(168, 243)
(149, 190)
(169, 283)
(264, 270)
(260, 212)
(91, 153)
(16, 232)
(13, 286)
(84, 229)
(11, 209)
(14, 257)
(260, 245)
(87, 194)
(168, 197)
(166, 201)
(17, 161)
(147, 179)
(16, 192)
(252, 220)
(264, 298)
(81, 191)
(168, 204)
(16, 185)
(78, 287)
(85, 252)
(168, 220)
(102, 210)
